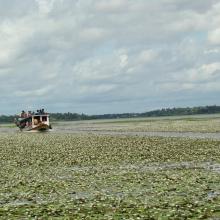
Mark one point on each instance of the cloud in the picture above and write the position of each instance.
(76, 55)
(37, 92)
(147, 56)
(111, 6)
(92, 34)
(214, 36)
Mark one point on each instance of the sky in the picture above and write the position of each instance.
(108, 56)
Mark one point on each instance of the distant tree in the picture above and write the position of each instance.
(156, 113)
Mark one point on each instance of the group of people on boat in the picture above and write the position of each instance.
(30, 113)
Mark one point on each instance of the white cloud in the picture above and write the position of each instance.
(214, 36)
(45, 6)
(92, 34)
(147, 56)
(112, 51)
(97, 88)
(209, 69)
(12, 37)
(111, 6)
(123, 60)
(205, 73)
(37, 92)
(212, 51)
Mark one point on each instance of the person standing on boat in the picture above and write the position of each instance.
(29, 118)
(23, 113)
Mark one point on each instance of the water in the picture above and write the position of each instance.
(119, 130)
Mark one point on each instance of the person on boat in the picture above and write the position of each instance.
(29, 114)
(23, 114)
(29, 122)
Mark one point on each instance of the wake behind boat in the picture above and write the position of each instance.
(33, 121)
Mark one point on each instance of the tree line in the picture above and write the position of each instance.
(156, 113)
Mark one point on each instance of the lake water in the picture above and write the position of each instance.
(111, 129)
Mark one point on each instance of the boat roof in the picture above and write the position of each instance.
(39, 115)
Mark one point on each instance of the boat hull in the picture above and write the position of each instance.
(41, 127)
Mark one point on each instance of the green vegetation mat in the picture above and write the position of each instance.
(200, 124)
(66, 176)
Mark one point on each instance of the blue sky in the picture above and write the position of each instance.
(108, 56)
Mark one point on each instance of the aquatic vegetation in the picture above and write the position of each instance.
(180, 124)
(108, 177)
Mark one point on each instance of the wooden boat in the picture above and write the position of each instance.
(35, 122)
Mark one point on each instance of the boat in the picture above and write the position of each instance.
(33, 122)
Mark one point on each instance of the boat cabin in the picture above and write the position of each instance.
(39, 119)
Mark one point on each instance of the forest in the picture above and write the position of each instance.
(155, 113)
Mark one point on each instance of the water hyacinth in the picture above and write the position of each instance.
(177, 124)
(108, 177)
